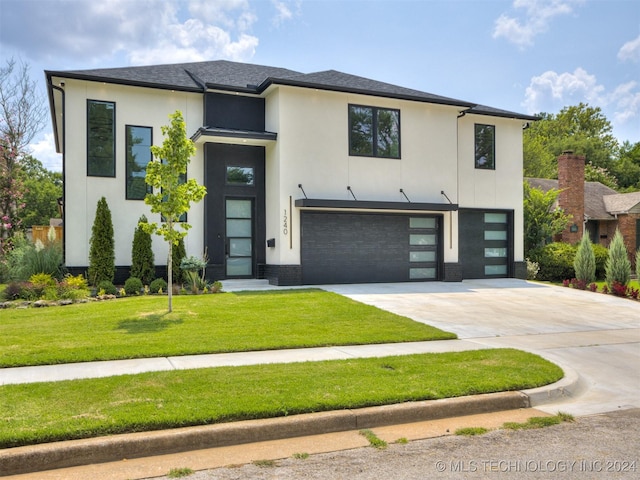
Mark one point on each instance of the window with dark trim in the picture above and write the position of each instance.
(101, 138)
(374, 132)
(485, 146)
(138, 153)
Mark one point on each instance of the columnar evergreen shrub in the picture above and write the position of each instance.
(102, 246)
(142, 261)
(178, 253)
(638, 263)
(618, 268)
(584, 262)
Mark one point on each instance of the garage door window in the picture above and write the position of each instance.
(423, 242)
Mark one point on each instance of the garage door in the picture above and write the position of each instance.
(486, 243)
(365, 248)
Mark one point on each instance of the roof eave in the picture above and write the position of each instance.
(120, 81)
(334, 88)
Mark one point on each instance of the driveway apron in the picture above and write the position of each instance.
(596, 335)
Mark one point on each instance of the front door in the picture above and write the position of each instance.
(239, 238)
(234, 210)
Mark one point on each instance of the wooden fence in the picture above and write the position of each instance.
(41, 232)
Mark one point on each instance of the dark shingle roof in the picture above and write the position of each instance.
(249, 78)
(594, 193)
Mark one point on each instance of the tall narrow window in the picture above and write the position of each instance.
(138, 151)
(485, 146)
(374, 132)
(101, 138)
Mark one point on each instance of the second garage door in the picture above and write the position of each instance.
(364, 248)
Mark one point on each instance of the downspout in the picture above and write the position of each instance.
(460, 115)
(64, 169)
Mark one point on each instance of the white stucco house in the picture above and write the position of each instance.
(312, 178)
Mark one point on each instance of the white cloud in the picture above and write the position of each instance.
(551, 91)
(142, 30)
(537, 17)
(44, 149)
(195, 41)
(630, 51)
(283, 12)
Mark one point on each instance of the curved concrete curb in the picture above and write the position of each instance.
(117, 447)
(568, 387)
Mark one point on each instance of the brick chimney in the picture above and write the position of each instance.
(571, 198)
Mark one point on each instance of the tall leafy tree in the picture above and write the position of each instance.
(42, 189)
(102, 246)
(22, 115)
(172, 195)
(580, 128)
(542, 219)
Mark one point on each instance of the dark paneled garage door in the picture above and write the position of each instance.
(363, 248)
(486, 243)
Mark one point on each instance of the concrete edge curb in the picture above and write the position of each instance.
(570, 386)
(117, 447)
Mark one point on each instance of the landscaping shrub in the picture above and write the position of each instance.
(532, 269)
(107, 287)
(142, 261)
(194, 270)
(133, 286)
(618, 267)
(12, 291)
(102, 246)
(638, 263)
(158, 285)
(584, 263)
(555, 260)
(601, 254)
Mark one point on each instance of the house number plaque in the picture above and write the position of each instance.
(285, 223)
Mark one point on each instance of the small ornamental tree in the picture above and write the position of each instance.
(172, 195)
(618, 267)
(102, 246)
(142, 265)
(541, 219)
(585, 261)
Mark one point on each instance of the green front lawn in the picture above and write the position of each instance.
(137, 327)
(45, 412)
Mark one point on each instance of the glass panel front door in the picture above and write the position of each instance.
(239, 227)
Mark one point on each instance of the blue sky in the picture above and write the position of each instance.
(528, 56)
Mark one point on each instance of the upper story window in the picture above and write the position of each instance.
(374, 132)
(138, 152)
(485, 144)
(101, 138)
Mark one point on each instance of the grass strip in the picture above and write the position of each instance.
(46, 412)
(139, 327)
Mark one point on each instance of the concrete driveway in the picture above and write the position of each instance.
(595, 335)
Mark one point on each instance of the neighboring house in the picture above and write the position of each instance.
(593, 206)
(312, 178)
